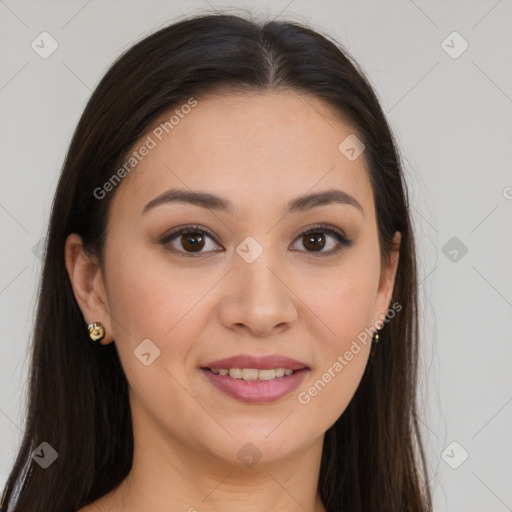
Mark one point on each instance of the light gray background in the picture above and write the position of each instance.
(452, 119)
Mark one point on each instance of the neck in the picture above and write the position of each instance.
(159, 484)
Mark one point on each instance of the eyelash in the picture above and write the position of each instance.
(320, 228)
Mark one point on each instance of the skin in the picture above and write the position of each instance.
(259, 150)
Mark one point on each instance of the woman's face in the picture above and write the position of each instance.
(245, 281)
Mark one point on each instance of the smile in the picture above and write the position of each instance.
(251, 385)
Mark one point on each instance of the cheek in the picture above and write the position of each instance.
(343, 302)
(329, 391)
(151, 299)
(342, 298)
(148, 295)
(345, 310)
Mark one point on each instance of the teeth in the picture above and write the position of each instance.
(253, 373)
(266, 374)
(248, 373)
(236, 373)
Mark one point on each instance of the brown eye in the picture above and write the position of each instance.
(316, 239)
(189, 241)
(192, 241)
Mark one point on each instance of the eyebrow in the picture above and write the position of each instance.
(213, 202)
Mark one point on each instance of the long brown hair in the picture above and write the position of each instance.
(373, 458)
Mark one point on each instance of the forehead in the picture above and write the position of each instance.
(250, 146)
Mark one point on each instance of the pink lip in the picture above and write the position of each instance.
(261, 363)
(256, 391)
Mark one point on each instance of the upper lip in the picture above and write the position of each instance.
(258, 362)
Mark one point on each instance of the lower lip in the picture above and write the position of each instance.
(256, 391)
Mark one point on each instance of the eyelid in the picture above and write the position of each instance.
(173, 233)
(317, 228)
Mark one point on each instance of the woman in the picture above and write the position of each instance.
(228, 307)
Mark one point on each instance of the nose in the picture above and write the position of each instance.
(259, 299)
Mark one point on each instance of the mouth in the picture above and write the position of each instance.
(252, 374)
(256, 379)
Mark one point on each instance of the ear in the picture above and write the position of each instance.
(387, 282)
(87, 283)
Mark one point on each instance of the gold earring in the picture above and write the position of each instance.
(96, 332)
(375, 339)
